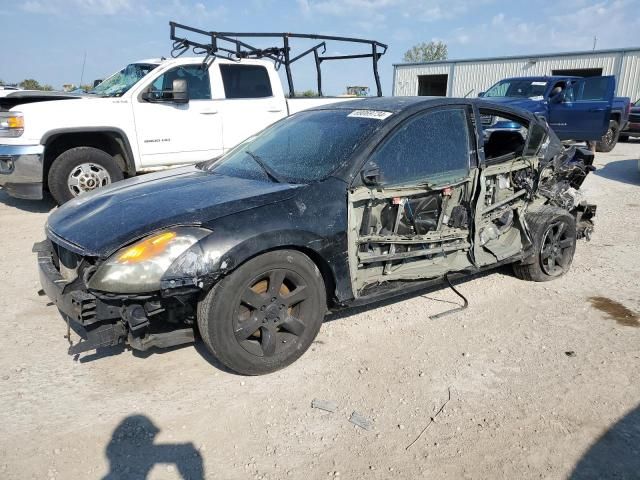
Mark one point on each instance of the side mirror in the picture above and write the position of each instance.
(480, 94)
(371, 175)
(97, 82)
(179, 92)
(557, 98)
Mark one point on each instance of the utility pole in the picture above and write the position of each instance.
(595, 41)
(84, 60)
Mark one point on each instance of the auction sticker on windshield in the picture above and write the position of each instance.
(376, 114)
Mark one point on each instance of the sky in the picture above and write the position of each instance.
(47, 39)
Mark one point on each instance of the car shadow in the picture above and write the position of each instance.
(616, 454)
(624, 171)
(133, 452)
(35, 206)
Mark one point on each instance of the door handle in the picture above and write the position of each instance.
(596, 109)
(209, 112)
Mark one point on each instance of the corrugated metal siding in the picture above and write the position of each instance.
(629, 80)
(407, 78)
(478, 76)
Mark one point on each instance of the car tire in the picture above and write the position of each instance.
(610, 139)
(265, 314)
(79, 170)
(553, 231)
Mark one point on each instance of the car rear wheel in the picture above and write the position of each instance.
(553, 231)
(610, 139)
(80, 170)
(264, 315)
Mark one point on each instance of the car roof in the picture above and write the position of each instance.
(541, 77)
(393, 104)
(397, 105)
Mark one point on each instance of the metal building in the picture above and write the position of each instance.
(459, 78)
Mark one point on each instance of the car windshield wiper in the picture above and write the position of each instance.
(270, 173)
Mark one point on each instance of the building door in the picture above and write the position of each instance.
(578, 72)
(432, 85)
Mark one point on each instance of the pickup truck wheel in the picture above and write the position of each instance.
(264, 315)
(80, 170)
(610, 139)
(553, 231)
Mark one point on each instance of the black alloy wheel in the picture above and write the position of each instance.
(265, 314)
(271, 313)
(557, 249)
(553, 233)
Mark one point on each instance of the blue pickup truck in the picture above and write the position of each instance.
(577, 108)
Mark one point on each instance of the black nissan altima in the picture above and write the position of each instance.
(337, 206)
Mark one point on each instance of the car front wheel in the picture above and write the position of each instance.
(264, 315)
(80, 170)
(553, 231)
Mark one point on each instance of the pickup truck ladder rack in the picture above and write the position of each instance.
(236, 49)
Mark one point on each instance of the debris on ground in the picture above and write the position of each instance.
(432, 420)
(361, 421)
(326, 405)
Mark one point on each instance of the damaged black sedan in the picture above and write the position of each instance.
(337, 206)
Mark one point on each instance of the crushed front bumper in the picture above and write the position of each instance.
(21, 172)
(81, 310)
(100, 321)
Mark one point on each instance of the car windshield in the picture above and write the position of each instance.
(523, 88)
(118, 83)
(303, 148)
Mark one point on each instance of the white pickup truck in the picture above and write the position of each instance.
(151, 114)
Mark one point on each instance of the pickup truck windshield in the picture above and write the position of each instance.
(523, 88)
(118, 83)
(303, 148)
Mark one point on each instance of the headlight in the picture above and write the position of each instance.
(139, 268)
(11, 124)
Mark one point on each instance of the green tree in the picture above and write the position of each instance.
(2, 84)
(426, 52)
(30, 84)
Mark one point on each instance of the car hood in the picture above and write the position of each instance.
(524, 103)
(100, 222)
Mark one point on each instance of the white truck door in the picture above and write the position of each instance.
(253, 99)
(171, 133)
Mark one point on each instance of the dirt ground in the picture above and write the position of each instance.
(544, 379)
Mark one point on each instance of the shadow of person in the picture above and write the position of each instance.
(132, 452)
(616, 454)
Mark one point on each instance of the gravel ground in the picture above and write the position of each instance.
(543, 379)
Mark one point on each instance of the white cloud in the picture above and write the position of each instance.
(165, 8)
(96, 7)
(572, 27)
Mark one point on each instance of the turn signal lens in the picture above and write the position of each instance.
(147, 248)
(11, 124)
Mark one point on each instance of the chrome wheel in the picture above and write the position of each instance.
(86, 177)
